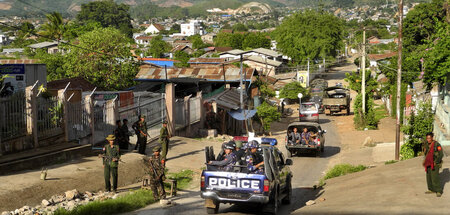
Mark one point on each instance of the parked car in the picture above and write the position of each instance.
(269, 189)
(309, 112)
(317, 142)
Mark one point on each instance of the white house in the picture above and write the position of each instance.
(154, 29)
(143, 40)
(191, 28)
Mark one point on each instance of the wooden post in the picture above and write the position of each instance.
(201, 110)
(89, 105)
(31, 110)
(63, 100)
(187, 111)
(170, 103)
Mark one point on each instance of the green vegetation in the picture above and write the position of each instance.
(419, 124)
(369, 119)
(243, 41)
(108, 14)
(343, 169)
(309, 34)
(380, 112)
(390, 162)
(291, 91)
(267, 114)
(54, 28)
(157, 47)
(129, 202)
(183, 178)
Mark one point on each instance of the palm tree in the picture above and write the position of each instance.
(55, 27)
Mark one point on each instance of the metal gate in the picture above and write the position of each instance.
(78, 120)
(104, 120)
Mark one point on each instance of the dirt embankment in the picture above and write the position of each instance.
(85, 174)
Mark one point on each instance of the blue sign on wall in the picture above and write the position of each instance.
(12, 69)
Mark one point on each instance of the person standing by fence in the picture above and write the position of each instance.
(126, 133)
(140, 127)
(164, 140)
(118, 134)
(111, 156)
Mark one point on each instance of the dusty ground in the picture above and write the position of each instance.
(85, 174)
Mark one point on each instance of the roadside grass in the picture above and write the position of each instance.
(380, 113)
(340, 170)
(183, 178)
(390, 162)
(129, 202)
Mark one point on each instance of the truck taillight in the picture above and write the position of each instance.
(302, 115)
(342, 106)
(318, 141)
(202, 182)
(316, 114)
(266, 185)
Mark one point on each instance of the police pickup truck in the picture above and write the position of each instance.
(269, 189)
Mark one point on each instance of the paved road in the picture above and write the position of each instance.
(307, 169)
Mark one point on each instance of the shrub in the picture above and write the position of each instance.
(267, 114)
(291, 90)
(343, 169)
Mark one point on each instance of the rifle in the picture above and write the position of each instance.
(109, 158)
(154, 170)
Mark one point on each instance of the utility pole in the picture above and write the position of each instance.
(241, 87)
(399, 78)
(363, 65)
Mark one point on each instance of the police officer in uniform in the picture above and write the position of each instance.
(432, 163)
(254, 160)
(156, 173)
(111, 156)
(164, 141)
(227, 163)
(140, 127)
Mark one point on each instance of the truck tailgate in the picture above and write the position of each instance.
(334, 101)
(234, 182)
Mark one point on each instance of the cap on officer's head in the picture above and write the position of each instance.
(110, 137)
(141, 116)
(239, 144)
(165, 122)
(156, 148)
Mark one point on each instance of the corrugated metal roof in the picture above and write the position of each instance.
(228, 99)
(210, 74)
(20, 61)
(259, 59)
(207, 60)
(377, 57)
(267, 52)
(43, 45)
(234, 52)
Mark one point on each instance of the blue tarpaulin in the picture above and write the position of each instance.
(242, 114)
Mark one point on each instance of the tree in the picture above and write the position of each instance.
(419, 124)
(55, 27)
(103, 58)
(197, 42)
(76, 29)
(157, 47)
(229, 40)
(256, 40)
(239, 27)
(267, 114)
(291, 91)
(309, 34)
(183, 57)
(108, 14)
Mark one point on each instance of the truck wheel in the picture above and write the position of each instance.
(272, 206)
(287, 199)
(289, 153)
(213, 210)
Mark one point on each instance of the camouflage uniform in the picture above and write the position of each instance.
(164, 141)
(157, 177)
(252, 160)
(110, 166)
